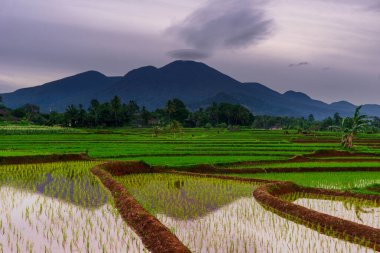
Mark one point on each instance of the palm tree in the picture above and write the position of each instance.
(115, 107)
(170, 108)
(175, 127)
(95, 110)
(71, 115)
(352, 126)
(156, 131)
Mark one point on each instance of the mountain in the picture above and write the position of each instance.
(56, 95)
(197, 84)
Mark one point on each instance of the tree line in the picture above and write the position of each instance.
(115, 113)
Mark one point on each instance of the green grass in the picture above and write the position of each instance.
(355, 181)
(194, 160)
(321, 164)
(139, 144)
(34, 129)
(195, 146)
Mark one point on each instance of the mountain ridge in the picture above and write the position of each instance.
(196, 83)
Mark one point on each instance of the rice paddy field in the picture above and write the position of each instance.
(60, 206)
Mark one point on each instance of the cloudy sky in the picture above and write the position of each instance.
(327, 49)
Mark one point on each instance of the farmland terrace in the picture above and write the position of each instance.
(275, 191)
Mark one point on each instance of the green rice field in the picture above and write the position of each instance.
(62, 207)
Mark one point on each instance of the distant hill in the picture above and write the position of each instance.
(56, 95)
(195, 83)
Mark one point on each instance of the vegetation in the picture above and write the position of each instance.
(183, 197)
(352, 181)
(352, 126)
(59, 207)
(201, 212)
(115, 113)
(204, 212)
(356, 210)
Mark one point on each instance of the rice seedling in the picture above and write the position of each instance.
(354, 180)
(60, 207)
(34, 129)
(361, 211)
(213, 215)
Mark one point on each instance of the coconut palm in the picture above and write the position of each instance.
(170, 108)
(352, 126)
(115, 108)
(156, 131)
(175, 127)
(94, 109)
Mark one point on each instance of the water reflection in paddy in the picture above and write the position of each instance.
(59, 207)
(356, 211)
(212, 215)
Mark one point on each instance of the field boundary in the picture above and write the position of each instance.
(43, 158)
(204, 169)
(156, 237)
(268, 196)
(227, 168)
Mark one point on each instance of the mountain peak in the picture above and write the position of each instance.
(296, 94)
(342, 103)
(90, 73)
(185, 64)
(141, 71)
(195, 83)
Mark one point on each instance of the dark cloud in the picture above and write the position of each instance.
(300, 64)
(188, 54)
(224, 24)
(42, 45)
(374, 7)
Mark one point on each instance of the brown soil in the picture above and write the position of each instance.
(132, 167)
(156, 237)
(297, 159)
(43, 158)
(208, 169)
(194, 154)
(126, 168)
(315, 156)
(334, 193)
(337, 153)
(285, 170)
(375, 188)
(248, 180)
(267, 195)
(333, 141)
(316, 141)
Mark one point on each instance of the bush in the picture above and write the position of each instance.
(208, 126)
(222, 125)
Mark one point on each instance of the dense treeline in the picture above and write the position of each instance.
(116, 114)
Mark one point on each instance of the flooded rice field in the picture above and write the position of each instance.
(59, 207)
(214, 215)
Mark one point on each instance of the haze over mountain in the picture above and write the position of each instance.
(193, 82)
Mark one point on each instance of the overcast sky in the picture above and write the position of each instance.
(327, 49)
